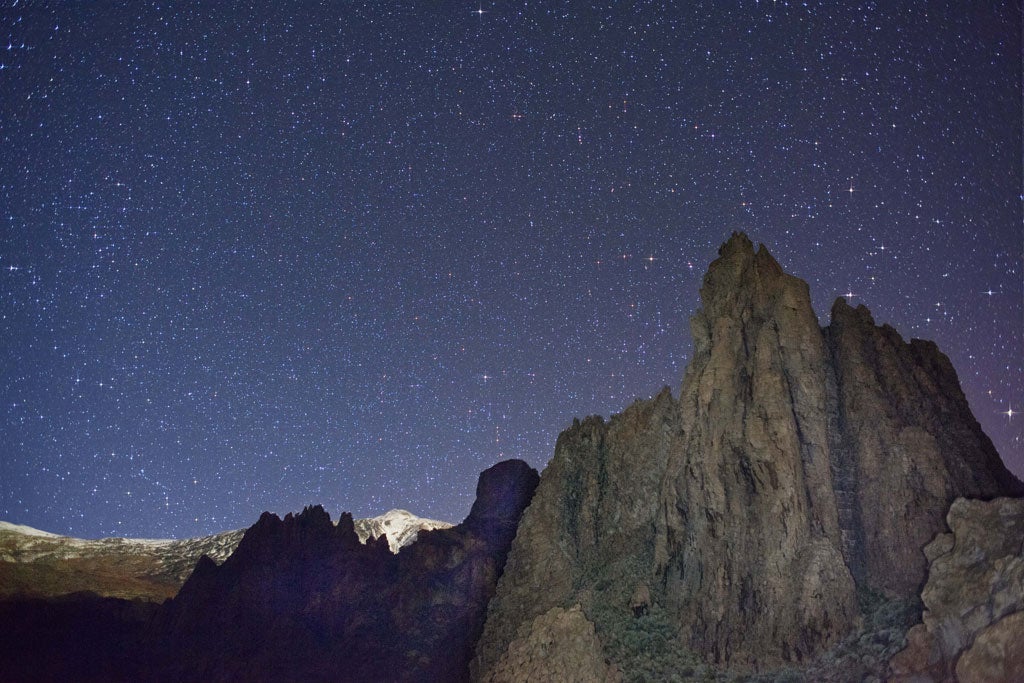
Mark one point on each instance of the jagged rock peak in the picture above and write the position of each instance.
(323, 606)
(738, 267)
(747, 545)
(798, 469)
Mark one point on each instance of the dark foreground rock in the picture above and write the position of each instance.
(76, 637)
(303, 600)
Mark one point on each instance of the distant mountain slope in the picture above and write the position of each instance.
(36, 563)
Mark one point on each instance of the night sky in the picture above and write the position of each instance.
(260, 255)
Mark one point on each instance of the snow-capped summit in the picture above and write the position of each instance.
(400, 526)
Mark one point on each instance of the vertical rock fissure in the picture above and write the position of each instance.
(844, 473)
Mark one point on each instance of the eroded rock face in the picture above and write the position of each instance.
(973, 598)
(592, 518)
(800, 469)
(559, 645)
(996, 654)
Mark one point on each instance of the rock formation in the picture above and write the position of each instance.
(801, 471)
(904, 445)
(973, 621)
(38, 564)
(400, 526)
(747, 530)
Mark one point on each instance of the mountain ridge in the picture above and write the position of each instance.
(43, 564)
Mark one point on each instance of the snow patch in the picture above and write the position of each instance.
(26, 530)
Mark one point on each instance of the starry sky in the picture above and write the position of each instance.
(263, 254)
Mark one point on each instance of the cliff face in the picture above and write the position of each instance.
(302, 599)
(590, 521)
(799, 468)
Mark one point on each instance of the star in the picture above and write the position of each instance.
(260, 276)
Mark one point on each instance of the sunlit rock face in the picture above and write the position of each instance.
(800, 469)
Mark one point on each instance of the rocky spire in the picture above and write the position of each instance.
(798, 466)
(747, 540)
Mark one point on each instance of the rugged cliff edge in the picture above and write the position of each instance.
(795, 481)
(303, 600)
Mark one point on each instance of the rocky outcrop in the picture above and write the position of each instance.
(795, 481)
(996, 654)
(558, 646)
(590, 521)
(300, 599)
(39, 564)
(80, 637)
(973, 621)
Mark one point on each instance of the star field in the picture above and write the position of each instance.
(258, 255)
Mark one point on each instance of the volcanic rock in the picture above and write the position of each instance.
(304, 600)
(747, 533)
(39, 564)
(590, 520)
(904, 445)
(996, 654)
